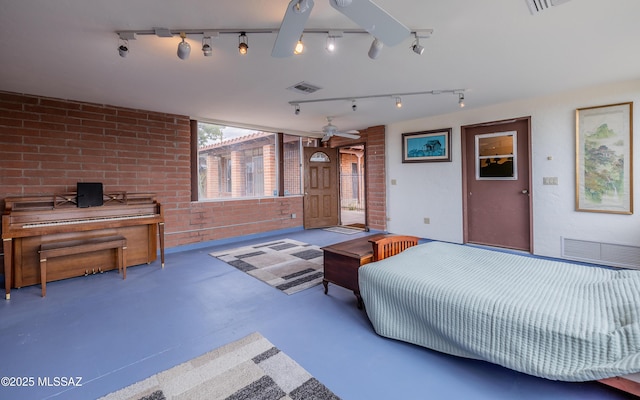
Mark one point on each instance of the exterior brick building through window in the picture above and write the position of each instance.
(237, 163)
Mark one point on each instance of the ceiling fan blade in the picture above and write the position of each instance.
(293, 23)
(347, 135)
(373, 19)
(326, 137)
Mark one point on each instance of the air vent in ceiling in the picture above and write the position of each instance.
(535, 6)
(304, 88)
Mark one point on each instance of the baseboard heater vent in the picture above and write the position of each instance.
(615, 255)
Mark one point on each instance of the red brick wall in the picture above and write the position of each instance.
(48, 145)
(376, 198)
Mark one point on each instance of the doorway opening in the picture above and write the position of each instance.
(353, 204)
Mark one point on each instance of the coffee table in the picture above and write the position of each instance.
(342, 260)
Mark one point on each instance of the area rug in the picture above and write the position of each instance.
(250, 368)
(288, 265)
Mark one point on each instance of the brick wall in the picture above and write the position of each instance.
(376, 197)
(48, 145)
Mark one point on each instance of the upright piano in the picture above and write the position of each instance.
(30, 221)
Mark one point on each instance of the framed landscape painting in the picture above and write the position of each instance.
(426, 146)
(604, 165)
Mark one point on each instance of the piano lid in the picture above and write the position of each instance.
(69, 200)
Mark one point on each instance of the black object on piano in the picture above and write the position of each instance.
(90, 194)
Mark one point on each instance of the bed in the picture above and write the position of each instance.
(546, 318)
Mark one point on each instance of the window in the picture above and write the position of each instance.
(292, 164)
(496, 156)
(236, 163)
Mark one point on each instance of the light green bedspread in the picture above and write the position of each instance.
(550, 319)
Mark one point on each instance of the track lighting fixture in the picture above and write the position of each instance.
(396, 96)
(206, 46)
(297, 109)
(123, 49)
(374, 50)
(416, 47)
(243, 46)
(299, 6)
(299, 47)
(331, 40)
(331, 44)
(184, 48)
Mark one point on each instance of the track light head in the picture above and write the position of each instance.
(354, 106)
(206, 47)
(398, 102)
(297, 109)
(184, 48)
(374, 50)
(461, 99)
(123, 49)
(124, 37)
(331, 44)
(243, 46)
(416, 47)
(299, 47)
(301, 7)
(331, 40)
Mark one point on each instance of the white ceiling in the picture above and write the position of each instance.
(495, 49)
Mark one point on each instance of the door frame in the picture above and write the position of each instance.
(465, 209)
(364, 181)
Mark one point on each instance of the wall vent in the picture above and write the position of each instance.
(615, 255)
(304, 88)
(536, 6)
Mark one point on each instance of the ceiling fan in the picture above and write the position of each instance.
(368, 15)
(331, 130)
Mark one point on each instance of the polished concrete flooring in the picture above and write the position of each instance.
(93, 335)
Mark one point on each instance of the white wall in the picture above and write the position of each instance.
(434, 190)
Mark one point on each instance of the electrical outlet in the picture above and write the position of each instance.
(293, 216)
(427, 220)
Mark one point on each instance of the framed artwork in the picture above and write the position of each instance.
(604, 165)
(426, 146)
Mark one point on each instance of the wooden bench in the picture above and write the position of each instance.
(79, 246)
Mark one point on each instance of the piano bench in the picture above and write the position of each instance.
(79, 246)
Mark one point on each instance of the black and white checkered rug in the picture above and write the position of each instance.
(288, 265)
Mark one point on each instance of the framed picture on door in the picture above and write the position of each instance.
(604, 148)
(426, 146)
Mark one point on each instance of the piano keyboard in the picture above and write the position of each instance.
(86, 220)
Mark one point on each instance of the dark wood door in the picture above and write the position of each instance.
(496, 183)
(321, 200)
